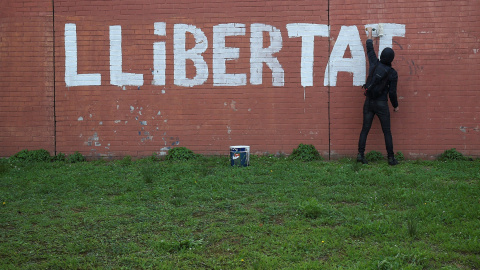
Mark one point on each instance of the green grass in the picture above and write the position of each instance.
(274, 214)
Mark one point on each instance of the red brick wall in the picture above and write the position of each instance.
(437, 59)
(26, 76)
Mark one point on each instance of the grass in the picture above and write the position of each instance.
(274, 214)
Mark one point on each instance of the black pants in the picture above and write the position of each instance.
(370, 109)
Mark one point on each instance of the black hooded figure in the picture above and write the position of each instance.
(387, 56)
(379, 105)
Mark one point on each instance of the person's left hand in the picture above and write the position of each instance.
(395, 109)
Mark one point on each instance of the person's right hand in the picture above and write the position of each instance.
(369, 32)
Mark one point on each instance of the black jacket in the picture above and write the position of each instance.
(393, 76)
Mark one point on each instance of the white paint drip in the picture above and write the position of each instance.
(233, 105)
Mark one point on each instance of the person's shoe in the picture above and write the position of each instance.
(392, 161)
(361, 158)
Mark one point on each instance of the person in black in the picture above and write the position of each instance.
(379, 106)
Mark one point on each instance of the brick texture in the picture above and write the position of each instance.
(26, 76)
(437, 60)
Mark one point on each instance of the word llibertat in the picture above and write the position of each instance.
(348, 37)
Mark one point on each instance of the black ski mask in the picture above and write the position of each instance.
(387, 56)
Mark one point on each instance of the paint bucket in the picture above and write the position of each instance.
(240, 155)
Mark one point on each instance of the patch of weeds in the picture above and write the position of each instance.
(149, 159)
(312, 208)
(4, 166)
(99, 162)
(180, 154)
(357, 166)
(399, 156)
(40, 155)
(76, 157)
(126, 161)
(152, 158)
(60, 157)
(361, 230)
(452, 154)
(305, 152)
(177, 246)
(374, 156)
(412, 223)
(401, 261)
(148, 174)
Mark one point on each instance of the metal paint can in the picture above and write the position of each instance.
(240, 155)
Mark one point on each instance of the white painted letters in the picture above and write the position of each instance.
(181, 55)
(117, 76)
(308, 32)
(159, 55)
(222, 54)
(390, 30)
(348, 37)
(260, 55)
(72, 78)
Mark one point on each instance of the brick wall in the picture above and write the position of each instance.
(26, 76)
(437, 62)
(139, 77)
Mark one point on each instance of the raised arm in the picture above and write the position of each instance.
(372, 56)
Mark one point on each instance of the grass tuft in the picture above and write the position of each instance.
(148, 174)
(452, 155)
(180, 154)
(311, 208)
(76, 157)
(374, 156)
(305, 152)
(40, 155)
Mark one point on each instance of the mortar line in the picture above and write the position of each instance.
(54, 83)
(329, 88)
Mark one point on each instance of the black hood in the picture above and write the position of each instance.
(387, 56)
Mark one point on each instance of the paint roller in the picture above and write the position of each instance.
(379, 29)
